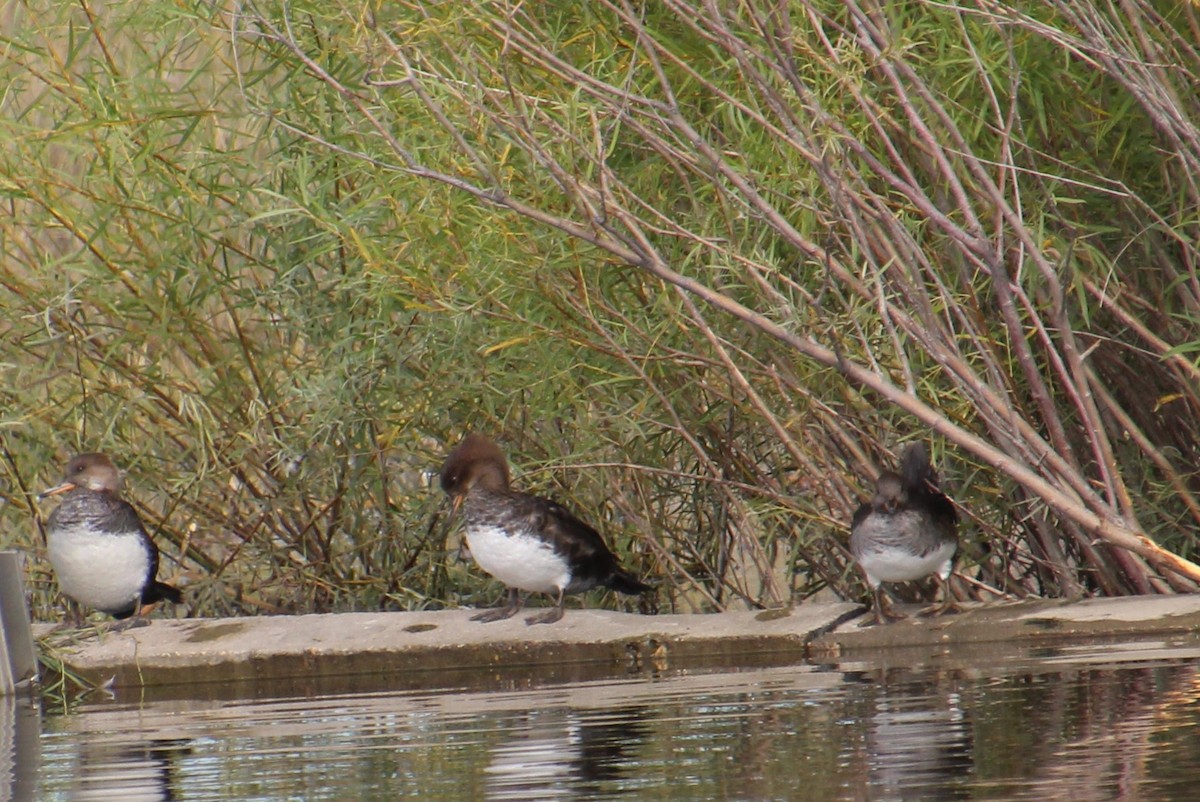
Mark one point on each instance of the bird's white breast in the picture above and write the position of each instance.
(890, 563)
(102, 570)
(888, 547)
(518, 560)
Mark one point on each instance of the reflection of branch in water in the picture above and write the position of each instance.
(129, 771)
(1104, 737)
(562, 753)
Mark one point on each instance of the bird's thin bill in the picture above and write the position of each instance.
(455, 503)
(54, 491)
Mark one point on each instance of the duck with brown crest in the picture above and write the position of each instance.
(100, 551)
(529, 543)
(907, 531)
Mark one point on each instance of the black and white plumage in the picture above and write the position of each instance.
(529, 543)
(100, 551)
(907, 531)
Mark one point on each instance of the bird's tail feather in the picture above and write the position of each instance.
(158, 591)
(916, 469)
(624, 582)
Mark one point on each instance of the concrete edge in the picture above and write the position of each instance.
(431, 649)
(242, 656)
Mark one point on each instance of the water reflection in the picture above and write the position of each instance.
(560, 754)
(130, 771)
(1111, 733)
(1047, 730)
(20, 748)
(919, 744)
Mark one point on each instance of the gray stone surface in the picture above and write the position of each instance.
(309, 647)
(1022, 622)
(248, 656)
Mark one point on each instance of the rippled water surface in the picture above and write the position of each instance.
(1095, 724)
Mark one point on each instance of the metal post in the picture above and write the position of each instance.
(18, 663)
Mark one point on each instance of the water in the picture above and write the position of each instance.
(1098, 723)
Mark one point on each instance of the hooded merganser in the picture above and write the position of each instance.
(100, 551)
(528, 543)
(906, 531)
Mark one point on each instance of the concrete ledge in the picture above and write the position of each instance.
(1020, 622)
(429, 649)
(240, 657)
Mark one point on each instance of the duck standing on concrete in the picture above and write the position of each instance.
(529, 543)
(907, 531)
(100, 551)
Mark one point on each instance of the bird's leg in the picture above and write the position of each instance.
(551, 615)
(132, 622)
(135, 619)
(501, 613)
(74, 617)
(948, 604)
(883, 607)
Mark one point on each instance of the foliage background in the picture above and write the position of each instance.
(701, 268)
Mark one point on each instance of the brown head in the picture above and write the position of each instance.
(474, 461)
(91, 471)
(890, 494)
